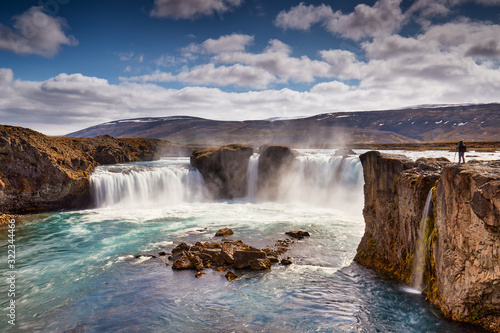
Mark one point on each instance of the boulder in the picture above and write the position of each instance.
(221, 257)
(298, 234)
(244, 259)
(224, 232)
(229, 248)
(274, 162)
(230, 276)
(224, 170)
(260, 264)
(183, 262)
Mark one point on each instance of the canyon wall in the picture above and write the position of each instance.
(461, 270)
(42, 173)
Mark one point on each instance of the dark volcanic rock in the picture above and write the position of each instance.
(221, 257)
(244, 259)
(260, 264)
(298, 234)
(41, 173)
(230, 276)
(224, 232)
(224, 170)
(274, 162)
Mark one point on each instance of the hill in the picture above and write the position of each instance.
(423, 124)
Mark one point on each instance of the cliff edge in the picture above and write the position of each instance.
(42, 173)
(458, 236)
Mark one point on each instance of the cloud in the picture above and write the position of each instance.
(210, 75)
(302, 17)
(345, 64)
(228, 43)
(383, 18)
(191, 9)
(35, 32)
(436, 8)
(277, 60)
(240, 68)
(465, 38)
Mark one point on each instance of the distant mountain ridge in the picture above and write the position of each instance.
(426, 124)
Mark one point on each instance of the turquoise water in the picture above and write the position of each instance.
(76, 271)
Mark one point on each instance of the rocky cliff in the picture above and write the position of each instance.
(224, 170)
(461, 237)
(274, 162)
(40, 173)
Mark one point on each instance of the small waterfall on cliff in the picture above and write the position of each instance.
(421, 246)
(252, 174)
(143, 185)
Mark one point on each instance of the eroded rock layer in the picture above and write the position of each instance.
(41, 173)
(461, 237)
(224, 170)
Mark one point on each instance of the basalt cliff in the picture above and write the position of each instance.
(41, 173)
(460, 238)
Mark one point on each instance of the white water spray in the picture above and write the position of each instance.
(145, 185)
(421, 246)
(319, 179)
(325, 180)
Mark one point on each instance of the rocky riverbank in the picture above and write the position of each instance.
(42, 173)
(461, 236)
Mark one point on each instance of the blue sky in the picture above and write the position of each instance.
(68, 64)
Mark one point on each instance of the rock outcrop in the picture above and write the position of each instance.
(41, 173)
(227, 255)
(274, 162)
(461, 273)
(224, 170)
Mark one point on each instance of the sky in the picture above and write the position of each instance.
(69, 64)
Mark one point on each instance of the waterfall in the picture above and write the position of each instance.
(252, 174)
(325, 180)
(318, 178)
(421, 246)
(165, 182)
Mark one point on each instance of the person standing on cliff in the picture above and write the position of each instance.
(461, 151)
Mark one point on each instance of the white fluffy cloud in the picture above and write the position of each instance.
(240, 68)
(210, 75)
(383, 18)
(430, 8)
(302, 17)
(35, 32)
(190, 9)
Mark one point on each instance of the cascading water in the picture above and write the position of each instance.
(319, 179)
(142, 185)
(252, 174)
(421, 246)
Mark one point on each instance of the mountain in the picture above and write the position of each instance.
(420, 124)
